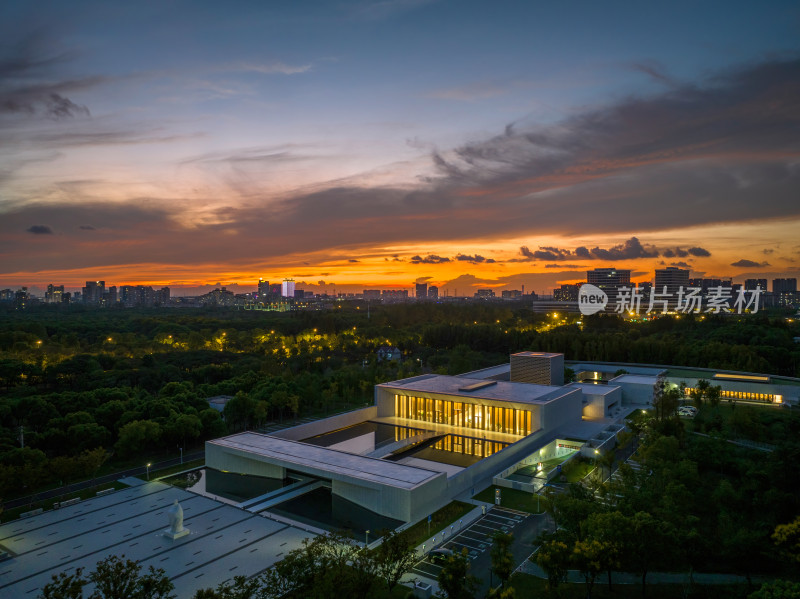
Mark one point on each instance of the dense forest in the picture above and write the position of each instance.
(83, 387)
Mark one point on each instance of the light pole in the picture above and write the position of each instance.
(181, 448)
(148, 470)
(366, 538)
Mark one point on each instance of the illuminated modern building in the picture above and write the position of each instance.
(287, 288)
(609, 280)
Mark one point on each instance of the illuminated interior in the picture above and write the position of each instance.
(464, 415)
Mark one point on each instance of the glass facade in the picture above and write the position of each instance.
(464, 415)
(468, 446)
(743, 395)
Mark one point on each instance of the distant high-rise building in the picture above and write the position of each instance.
(566, 293)
(671, 279)
(511, 294)
(93, 292)
(287, 288)
(263, 288)
(484, 293)
(394, 295)
(668, 282)
(706, 284)
(784, 285)
(372, 294)
(433, 292)
(609, 280)
(755, 283)
(785, 293)
(421, 291)
(54, 294)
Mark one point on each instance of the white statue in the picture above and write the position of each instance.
(175, 515)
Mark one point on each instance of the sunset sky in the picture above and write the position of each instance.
(353, 144)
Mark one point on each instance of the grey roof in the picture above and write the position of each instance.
(224, 540)
(502, 391)
(297, 454)
(636, 379)
(592, 389)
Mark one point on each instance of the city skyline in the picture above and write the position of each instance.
(362, 145)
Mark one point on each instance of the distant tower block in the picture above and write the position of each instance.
(539, 368)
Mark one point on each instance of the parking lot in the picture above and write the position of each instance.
(476, 538)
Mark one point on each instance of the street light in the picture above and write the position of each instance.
(148, 470)
(366, 538)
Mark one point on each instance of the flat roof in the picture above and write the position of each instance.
(537, 354)
(639, 379)
(224, 540)
(501, 391)
(591, 389)
(298, 454)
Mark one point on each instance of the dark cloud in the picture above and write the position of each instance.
(429, 259)
(749, 264)
(629, 250)
(40, 230)
(699, 252)
(681, 264)
(353, 260)
(767, 251)
(28, 84)
(476, 259)
(563, 266)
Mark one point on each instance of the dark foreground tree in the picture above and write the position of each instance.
(455, 581)
(502, 559)
(394, 558)
(113, 578)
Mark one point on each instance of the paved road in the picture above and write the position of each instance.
(87, 484)
(477, 540)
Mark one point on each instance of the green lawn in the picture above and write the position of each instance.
(514, 499)
(526, 585)
(439, 521)
(155, 474)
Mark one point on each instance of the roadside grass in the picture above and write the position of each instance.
(514, 499)
(164, 472)
(440, 519)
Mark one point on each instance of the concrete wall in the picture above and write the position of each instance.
(565, 410)
(634, 393)
(598, 404)
(318, 427)
(232, 460)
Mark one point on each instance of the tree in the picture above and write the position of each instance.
(553, 557)
(137, 436)
(240, 588)
(787, 539)
(609, 528)
(64, 586)
(113, 578)
(394, 558)
(777, 589)
(502, 558)
(588, 557)
(455, 581)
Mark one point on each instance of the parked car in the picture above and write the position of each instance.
(440, 555)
